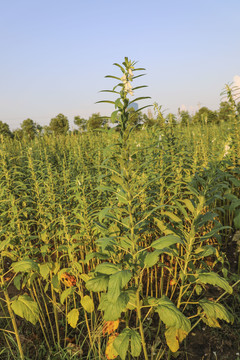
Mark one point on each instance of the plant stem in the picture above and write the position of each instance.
(8, 301)
(141, 326)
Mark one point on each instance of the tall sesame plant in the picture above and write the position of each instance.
(121, 227)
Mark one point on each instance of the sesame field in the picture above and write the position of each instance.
(122, 243)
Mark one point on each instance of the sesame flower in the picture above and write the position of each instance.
(124, 79)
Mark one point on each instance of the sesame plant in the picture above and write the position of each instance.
(123, 224)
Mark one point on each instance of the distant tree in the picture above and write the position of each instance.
(46, 130)
(4, 130)
(39, 128)
(96, 121)
(225, 111)
(80, 122)
(185, 117)
(205, 114)
(59, 125)
(29, 128)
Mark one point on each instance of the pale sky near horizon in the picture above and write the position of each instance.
(55, 54)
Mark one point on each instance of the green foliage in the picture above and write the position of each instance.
(205, 115)
(59, 125)
(95, 121)
(121, 343)
(29, 128)
(4, 130)
(185, 117)
(215, 279)
(80, 122)
(225, 111)
(214, 311)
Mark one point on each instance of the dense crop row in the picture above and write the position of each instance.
(116, 230)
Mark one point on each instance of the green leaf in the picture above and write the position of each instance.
(17, 281)
(106, 242)
(116, 282)
(99, 283)
(72, 318)
(169, 314)
(215, 311)
(143, 107)
(182, 209)
(151, 258)
(139, 69)
(112, 311)
(114, 116)
(139, 98)
(214, 279)
(76, 266)
(4, 243)
(45, 269)
(56, 283)
(113, 77)
(87, 303)
(135, 77)
(204, 251)
(205, 218)
(25, 307)
(132, 294)
(136, 344)
(236, 221)
(121, 343)
(24, 266)
(106, 268)
(95, 255)
(166, 241)
(118, 104)
(214, 231)
(189, 205)
(110, 91)
(139, 87)
(122, 69)
(66, 293)
(105, 101)
(172, 216)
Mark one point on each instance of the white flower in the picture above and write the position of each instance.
(226, 150)
(130, 72)
(124, 79)
(128, 88)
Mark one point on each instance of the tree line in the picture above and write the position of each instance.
(59, 125)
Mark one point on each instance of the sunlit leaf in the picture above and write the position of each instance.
(25, 307)
(72, 318)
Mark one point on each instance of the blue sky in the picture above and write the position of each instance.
(55, 53)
